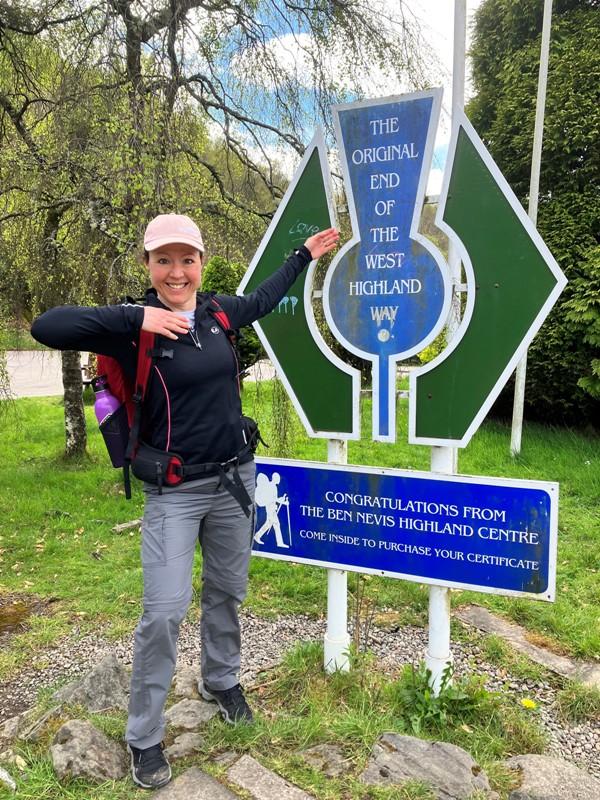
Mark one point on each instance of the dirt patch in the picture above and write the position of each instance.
(16, 610)
(545, 643)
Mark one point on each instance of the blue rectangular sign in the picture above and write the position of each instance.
(484, 534)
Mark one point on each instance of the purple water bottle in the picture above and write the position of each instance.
(112, 420)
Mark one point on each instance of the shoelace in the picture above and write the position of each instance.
(234, 695)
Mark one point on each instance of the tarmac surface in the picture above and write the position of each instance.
(38, 373)
(35, 373)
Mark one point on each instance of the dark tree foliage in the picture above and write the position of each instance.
(223, 277)
(563, 373)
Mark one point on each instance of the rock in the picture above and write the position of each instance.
(6, 780)
(190, 714)
(9, 730)
(81, 751)
(225, 758)
(261, 783)
(184, 745)
(450, 770)
(327, 758)
(186, 682)
(105, 686)
(582, 672)
(32, 731)
(194, 785)
(546, 778)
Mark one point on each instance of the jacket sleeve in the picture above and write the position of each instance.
(100, 329)
(247, 308)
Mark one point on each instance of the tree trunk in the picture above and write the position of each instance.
(76, 436)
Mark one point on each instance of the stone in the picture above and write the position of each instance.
(327, 758)
(190, 714)
(33, 731)
(261, 783)
(6, 780)
(186, 682)
(449, 770)
(547, 778)
(184, 746)
(225, 758)
(10, 728)
(580, 671)
(105, 686)
(127, 526)
(194, 784)
(81, 751)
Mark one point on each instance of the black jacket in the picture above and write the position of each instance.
(193, 406)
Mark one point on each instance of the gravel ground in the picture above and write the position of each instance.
(264, 642)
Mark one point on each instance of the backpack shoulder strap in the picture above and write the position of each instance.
(147, 353)
(223, 320)
(233, 335)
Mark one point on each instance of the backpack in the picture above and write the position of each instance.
(121, 430)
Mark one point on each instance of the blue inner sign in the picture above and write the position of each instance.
(386, 293)
(485, 534)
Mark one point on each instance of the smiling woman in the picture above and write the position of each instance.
(191, 415)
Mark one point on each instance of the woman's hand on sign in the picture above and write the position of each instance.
(322, 242)
(167, 323)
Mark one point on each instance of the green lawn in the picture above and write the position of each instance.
(57, 541)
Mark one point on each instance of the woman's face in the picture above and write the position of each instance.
(175, 272)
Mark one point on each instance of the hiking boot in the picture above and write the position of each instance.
(233, 705)
(149, 768)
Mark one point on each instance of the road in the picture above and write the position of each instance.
(37, 373)
(34, 373)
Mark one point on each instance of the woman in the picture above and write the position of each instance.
(192, 408)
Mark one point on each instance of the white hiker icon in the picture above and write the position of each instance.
(267, 497)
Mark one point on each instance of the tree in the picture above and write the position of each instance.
(564, 360)
(114, 111)
(223, 277)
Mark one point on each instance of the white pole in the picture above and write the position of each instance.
(336, 642)
(534, 190)
(438, 656)
(445, 459)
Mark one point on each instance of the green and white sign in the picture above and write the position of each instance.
(323, 389)
(512, 283)
(512, 280)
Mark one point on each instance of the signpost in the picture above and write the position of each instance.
(386, 296)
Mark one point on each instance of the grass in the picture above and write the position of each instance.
(57, 544)
(299, 707)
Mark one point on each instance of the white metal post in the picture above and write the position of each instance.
(445, 459)
(534, 191)
(337, 639)
(438, 656)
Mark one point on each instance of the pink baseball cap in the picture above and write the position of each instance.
(172, 229)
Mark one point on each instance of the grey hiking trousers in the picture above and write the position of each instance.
(203, 511)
